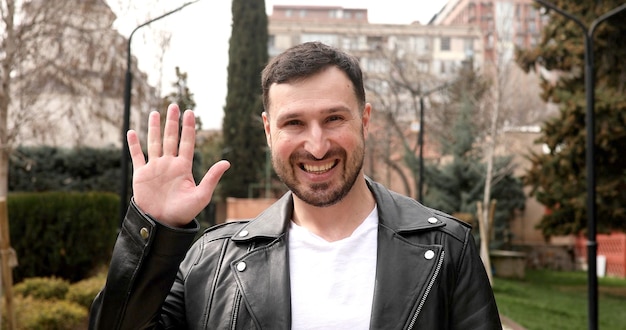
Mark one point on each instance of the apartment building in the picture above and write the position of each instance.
(504, 24)
(440, 50)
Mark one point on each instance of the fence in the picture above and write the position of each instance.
(611, 246)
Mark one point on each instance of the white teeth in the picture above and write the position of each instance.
(318, 168)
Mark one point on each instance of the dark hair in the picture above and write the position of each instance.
(307, 59)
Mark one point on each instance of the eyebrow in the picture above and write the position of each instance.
(298, 113)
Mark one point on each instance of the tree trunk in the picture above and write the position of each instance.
(483, 227)
(8, 260)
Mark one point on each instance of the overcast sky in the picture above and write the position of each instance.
(200, 33)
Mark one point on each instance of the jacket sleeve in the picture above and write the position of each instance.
(143, 267)
(473, 305)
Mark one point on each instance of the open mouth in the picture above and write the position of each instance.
(318, 169)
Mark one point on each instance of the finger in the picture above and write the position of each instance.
(188, 135)
(134, 148)
(170, 134)
(154, 135)
(211, 178)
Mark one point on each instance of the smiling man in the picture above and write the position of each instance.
(338, 251)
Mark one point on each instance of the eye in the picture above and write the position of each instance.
(293, 122)
(334, 118)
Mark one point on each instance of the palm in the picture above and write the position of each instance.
(164, 186)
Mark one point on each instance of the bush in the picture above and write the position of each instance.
(62, 169)
(36, 314)
(62, 234)
(43, 288)
(84, 292)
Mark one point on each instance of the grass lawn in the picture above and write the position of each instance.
(558, 300)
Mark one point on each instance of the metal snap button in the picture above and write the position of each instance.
(144, 232)
(241, 266)
(243, 233)
(432, 220)
(429, 254)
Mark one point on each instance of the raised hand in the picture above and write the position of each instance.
(164, 186)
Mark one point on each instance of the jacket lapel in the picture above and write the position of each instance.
(263, 278)
(403, 271)
(263, 273)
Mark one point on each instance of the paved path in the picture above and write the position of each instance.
(508, 324)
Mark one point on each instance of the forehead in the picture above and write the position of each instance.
(328, 89)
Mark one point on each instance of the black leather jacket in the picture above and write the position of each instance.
(236, 276)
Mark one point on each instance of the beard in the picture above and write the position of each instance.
(327, 193)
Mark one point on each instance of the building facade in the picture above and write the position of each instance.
(69, 93)
(439, 50)
(504, 24)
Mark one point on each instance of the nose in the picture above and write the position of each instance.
(316, 143)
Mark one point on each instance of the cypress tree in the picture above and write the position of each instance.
(558, 177)
(244, 142)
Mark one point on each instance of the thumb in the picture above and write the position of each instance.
(212, 177)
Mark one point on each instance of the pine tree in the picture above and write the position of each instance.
(558, 177)
(244, 142)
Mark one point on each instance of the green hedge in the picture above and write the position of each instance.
(43, 288)
(37, 314)
(61, 169)
(41, 169)
(50, 303)
(62, 234)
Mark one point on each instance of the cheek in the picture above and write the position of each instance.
(351, 140)
(282, 145)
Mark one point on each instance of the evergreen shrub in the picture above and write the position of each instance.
(52, 169)
(62, 234)
(39, 314)
(47, 288)
(83, 292)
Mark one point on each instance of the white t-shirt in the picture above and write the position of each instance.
(332, 283)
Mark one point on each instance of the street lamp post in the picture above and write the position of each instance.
(420, 190)
(592, 246)
(126, 123)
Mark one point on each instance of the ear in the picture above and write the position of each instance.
(365, 120)
(266, 126)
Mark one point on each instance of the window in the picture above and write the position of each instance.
(445, 44)
(531, 12)
(375, 42)
(328, 39)
(468, 45)
(419, 45)
(490, 41)
(423, 66)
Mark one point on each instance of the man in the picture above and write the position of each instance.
(338, 251)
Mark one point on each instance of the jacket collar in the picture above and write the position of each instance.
(402, 272)
(396, 212)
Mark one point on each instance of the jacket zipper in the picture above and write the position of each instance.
(237, 302)
(428, 288)
(238, 297)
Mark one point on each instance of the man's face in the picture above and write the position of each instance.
(317, 136)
